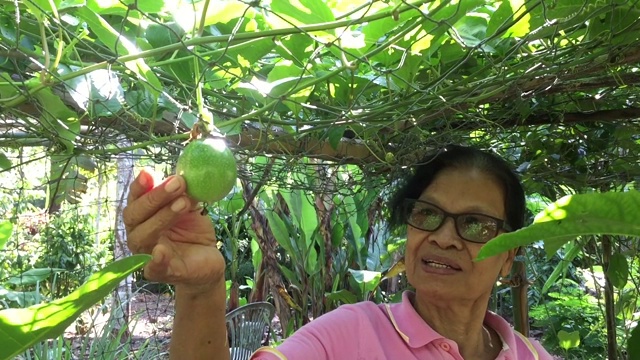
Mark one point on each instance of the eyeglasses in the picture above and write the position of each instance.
(477, 228)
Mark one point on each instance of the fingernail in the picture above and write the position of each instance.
(178, 205)
(172, 185)
(142, 180)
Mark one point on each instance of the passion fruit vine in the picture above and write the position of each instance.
(209, 169)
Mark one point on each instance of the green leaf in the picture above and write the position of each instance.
(99, 93)
(503, 19)
(256, 254)
(159, 35)
(472, 30)
(613, 213)
(561, 269)
(499, 18)
(121, 7)
(33, 276)
(618, 270)
(58, 120)
(66, 182)
(616, 26)
(233, 204)
(366, 279)
(344, 296)
(304, 211)
(5, 163)
(633, 344)
(249, 51)
(65, 4)
(295, 47)
(279, 230)
(547, 21)
(121, 46)
(301, 12)
(21, 328)
(335, 134)
(6, 229)
(143, 103)
(224, 11)
(569, 340)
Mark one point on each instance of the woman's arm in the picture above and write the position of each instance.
(199, 328)
(163, 221)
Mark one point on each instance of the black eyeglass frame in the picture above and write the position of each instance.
(410, 205)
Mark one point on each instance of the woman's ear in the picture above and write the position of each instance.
(508, 263)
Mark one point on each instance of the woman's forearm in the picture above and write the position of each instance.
(199, 330)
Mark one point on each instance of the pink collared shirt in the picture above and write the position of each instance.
(388, 331)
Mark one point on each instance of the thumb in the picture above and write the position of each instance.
(158, 268)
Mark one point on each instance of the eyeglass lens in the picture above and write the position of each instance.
(471, 227)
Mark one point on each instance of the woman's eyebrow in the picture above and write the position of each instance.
(476, 208)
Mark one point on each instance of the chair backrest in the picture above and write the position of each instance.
(247, 327)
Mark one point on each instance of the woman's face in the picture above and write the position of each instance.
(440, 264)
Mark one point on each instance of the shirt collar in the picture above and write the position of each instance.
(417, 333)
(408, 323)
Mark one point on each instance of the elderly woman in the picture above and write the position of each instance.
(454, 201)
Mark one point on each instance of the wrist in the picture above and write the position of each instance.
(208, 291)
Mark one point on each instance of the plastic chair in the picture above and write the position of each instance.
(247, 327)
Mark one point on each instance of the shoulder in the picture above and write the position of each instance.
(338, 333)
(347, 316)
(513, 341)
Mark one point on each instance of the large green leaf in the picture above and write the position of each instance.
(303, 210)
(613, 213)
(618, 270)
(121, 7)
(6, 228)
(633, 344)
(279, 230)
(21, 328)
(121, 46)
(301, 12)
(504, 19)
(99, 93)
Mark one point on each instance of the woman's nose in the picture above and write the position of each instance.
(446, 236)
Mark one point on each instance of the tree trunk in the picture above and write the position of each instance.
(325, 207)
(268, 246)
(121, 302)
(99, 207)
(609, 302)
(519, 288)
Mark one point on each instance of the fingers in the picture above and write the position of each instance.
(144, 236)
(143, 183)
(143, 205)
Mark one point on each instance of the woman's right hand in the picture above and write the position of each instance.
(164, 222)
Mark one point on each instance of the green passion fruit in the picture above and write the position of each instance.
(209, 169)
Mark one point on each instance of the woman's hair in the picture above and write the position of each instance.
(460, 157)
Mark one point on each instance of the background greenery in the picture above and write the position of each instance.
(324, 103)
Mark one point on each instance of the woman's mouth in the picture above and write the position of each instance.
(436, 264)
(440, 266)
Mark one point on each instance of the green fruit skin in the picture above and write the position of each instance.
(209, 169)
